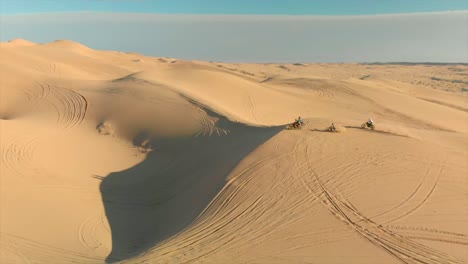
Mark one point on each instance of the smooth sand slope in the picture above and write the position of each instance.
(116, 157)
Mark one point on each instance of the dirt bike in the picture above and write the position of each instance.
(368, 125)
(295, 125)
(332, 129)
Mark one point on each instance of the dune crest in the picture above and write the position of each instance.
(118, 157)
(67, 44)
(21, 42)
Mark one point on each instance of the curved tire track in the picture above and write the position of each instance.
(71, 107)
(402, 248)
(87, 232)
(35, 252)
(18, 157)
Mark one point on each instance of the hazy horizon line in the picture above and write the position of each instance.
(270, 62)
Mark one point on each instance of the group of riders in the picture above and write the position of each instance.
(299, 123)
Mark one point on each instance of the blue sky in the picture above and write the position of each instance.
(273, 7)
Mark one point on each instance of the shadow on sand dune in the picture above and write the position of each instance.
(162, 195)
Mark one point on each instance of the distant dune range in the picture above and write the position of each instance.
(116, 157)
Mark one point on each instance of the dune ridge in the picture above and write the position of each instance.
(121, 158)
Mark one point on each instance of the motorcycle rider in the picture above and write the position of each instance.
(370, 122)
(299, 121)
(332, 127)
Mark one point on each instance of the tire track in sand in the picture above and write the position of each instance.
(223, 214)
(88, 229)
(402, 248)
(420, 194)
(35, 252)
(71, 107)
(416, 199)
(433, 234)
(422, 202)
(18, 156)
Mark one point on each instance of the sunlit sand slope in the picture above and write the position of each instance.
(116, 157)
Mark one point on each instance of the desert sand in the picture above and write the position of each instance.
(109, 156)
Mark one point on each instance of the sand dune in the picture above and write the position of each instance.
(117, 157)
(17, 42)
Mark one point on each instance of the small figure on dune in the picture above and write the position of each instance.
(296, 124)
(332, 128)
(369, 124)
(299, 121)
